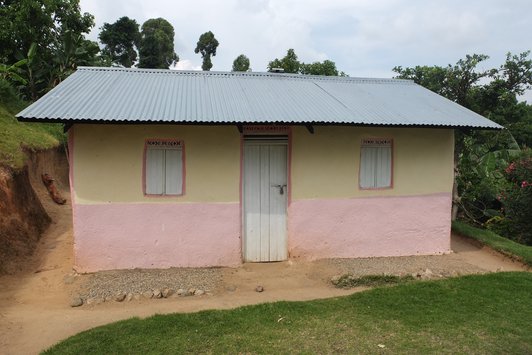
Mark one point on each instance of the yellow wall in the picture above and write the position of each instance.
(326, 164)
(108, 162)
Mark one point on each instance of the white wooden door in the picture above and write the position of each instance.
(264, 200)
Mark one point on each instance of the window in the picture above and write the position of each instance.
(376, 163)
(163, 167)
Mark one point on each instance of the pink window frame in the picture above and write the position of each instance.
(183, 163)
(391, 167)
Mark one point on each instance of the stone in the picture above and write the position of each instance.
(199, 292)
(147, 294)
(136, 297)
(69, 279)
(335, 279)
(157, 293)
(190, 291)
(129, 297)
(259, 288)
(231, 288)
(167, 292)
(427, 274)
(181, 292)
(119, 297)
(76, 301)
(95, 301)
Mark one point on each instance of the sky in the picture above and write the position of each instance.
(365, 38)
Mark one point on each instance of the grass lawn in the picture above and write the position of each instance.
(504, 245)
(14, 134)
(472, 314)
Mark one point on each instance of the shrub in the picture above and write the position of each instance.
(516, 199)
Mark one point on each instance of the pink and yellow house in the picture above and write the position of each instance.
(190, 169)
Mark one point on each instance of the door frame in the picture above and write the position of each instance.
(266, 131)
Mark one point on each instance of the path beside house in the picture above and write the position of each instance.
(34, 303)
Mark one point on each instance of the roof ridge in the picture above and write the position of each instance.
(250, 74)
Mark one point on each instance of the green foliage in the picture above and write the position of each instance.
(516, 200)
(349, 281)
(156, 48)
(326, 67)
(120, 41)
(289, 63)
(74, 50)
(480, 314)
(9, 98)
(503, 245)
(206, 46)
(479, 175)
(16, 136)
(39, 28)
(241, 63)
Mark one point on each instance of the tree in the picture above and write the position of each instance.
(39, 27)
(74, 51)
(206, 46)
(120, 41)
(241, 63)
(156, 46)
(326, 67)
(289, 63)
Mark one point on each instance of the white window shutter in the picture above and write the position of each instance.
(174, 172)
(384, 167)
(376, 164)
(367, 168)
(155, 171)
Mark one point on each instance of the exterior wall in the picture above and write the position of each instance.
(116, 226)
(330, 216)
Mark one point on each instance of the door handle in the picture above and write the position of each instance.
(280, 187)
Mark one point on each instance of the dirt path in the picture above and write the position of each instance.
(34, 304)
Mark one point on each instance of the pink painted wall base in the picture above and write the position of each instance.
(370, 227)
(126, 236)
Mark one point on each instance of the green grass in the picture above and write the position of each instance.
(348, 281)
(473, 314)
(504, 245)
(15, 136)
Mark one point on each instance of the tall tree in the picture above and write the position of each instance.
(241, 63)
(289, 63)
(206, 46)
(156, 47)
(120, 41)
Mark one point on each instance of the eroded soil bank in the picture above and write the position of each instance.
(23, 219)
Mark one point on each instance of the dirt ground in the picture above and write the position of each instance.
(35, 307)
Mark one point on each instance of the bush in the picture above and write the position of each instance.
(9, 96)
(516, 200)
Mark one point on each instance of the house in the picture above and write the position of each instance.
(190, 169)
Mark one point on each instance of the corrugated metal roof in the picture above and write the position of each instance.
(152, 95)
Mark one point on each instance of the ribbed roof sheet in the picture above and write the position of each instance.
(151, 95)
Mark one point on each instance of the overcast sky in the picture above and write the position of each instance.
(365, 38)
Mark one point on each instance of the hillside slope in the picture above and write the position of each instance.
(23, 148)
(16, 136)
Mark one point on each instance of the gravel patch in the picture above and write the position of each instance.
(439, 265)
(107, 284)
